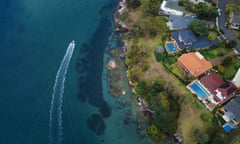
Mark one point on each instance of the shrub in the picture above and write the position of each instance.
(145, 67)
(155, 133)
(212, 35)
(227, 61)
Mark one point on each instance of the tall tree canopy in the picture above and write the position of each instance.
(133, 3)
(199, 27)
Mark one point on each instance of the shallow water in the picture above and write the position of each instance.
(34, 38)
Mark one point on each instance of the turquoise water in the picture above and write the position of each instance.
(34, 38)
(170, 47)
(199, 91)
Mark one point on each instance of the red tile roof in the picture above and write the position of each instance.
(211, 81)
(195, 63)
(228, 90)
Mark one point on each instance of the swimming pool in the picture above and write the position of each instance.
(198, 90)
(170, 47)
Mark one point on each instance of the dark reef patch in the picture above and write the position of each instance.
(82, 97)
(81, 65)
(90, 62)
(96, 124)
(105, 110)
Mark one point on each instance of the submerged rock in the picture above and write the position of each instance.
(105, 110)
(115, 91)
(116, 77)
(82, 97)
(81, 65)
(96, 124)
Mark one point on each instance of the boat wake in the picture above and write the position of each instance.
(55, 113)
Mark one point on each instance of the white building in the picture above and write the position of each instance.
(171, 8)
(236, 79)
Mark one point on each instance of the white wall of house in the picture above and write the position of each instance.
(196, 1)
(170, 11)
(236, 79)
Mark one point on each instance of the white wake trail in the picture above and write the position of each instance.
(55, 113)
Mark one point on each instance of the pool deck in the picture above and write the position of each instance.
(210, 106)
(194, 92)
(167, 49)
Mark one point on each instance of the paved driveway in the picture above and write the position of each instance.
(222, 19)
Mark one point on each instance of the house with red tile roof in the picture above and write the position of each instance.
(194, 63)
(214, 89)
(221, 91)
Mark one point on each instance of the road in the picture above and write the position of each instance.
(222, 19)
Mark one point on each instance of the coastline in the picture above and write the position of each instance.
(152, 74)
(141, 105)
(176, 133)
(125, 125)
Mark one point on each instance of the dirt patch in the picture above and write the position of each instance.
(134, 17)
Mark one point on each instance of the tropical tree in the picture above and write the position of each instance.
(133, 3)
(199, 27)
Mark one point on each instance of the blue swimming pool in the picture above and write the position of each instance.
(227, 128)
(170, 47)
(198, 90)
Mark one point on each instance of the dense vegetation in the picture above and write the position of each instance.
(133, 3)
(164, 104)
(202, 10)
(152, 26)
(202, 29)
(159, 97)
(199, 27)
(151, 7)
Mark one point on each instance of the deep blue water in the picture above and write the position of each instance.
(34, 36)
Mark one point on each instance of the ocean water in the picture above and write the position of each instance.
(34, 37)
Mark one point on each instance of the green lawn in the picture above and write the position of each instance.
(213, 53)
(231, 69)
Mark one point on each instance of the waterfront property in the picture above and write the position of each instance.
(212, 90)
(193, 64)
(231, 114)
(170, 47)
(185, 38)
